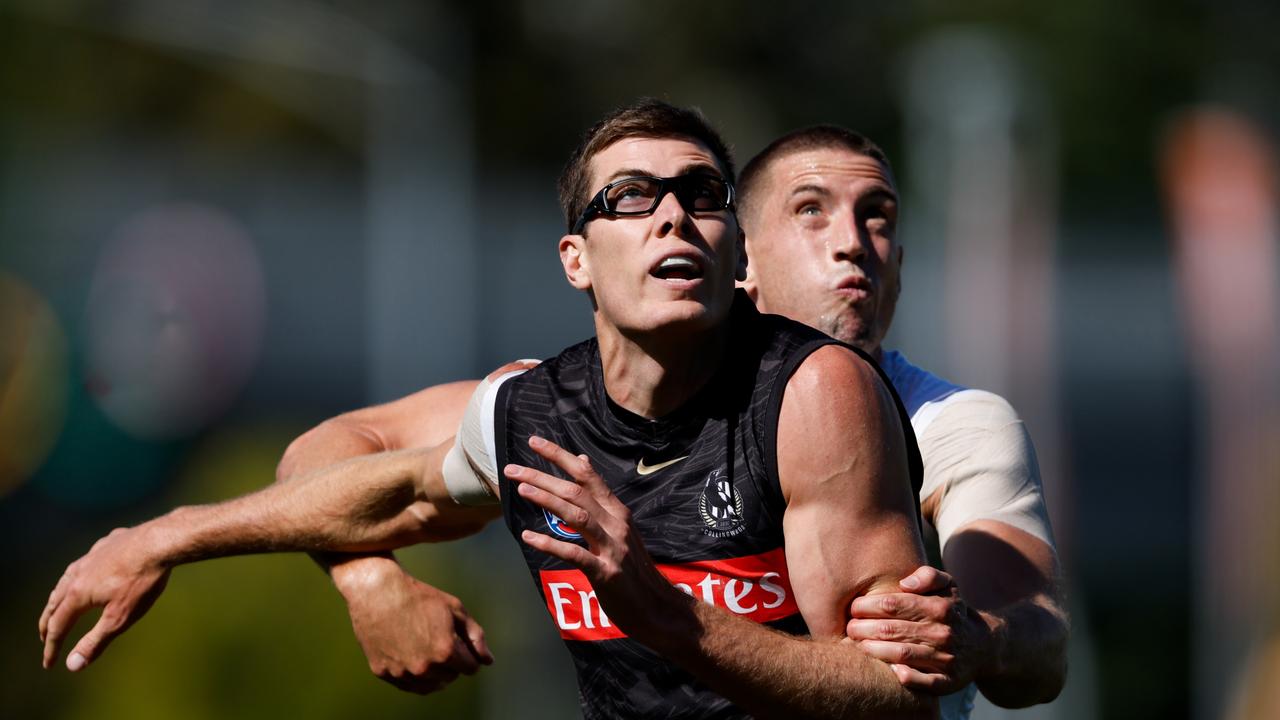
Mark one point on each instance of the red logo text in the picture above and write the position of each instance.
(756, 587)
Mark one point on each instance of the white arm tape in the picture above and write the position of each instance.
(470, 467)
(978, 454)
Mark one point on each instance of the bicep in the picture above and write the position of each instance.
(424, 419)
(421, 420)
(850, 520)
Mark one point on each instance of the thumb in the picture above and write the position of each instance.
(95, 642)
(475, 634)
(925, 580)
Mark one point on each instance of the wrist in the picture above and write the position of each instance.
(992, 662)
(673, 624)
(355, 575)
(168, 541)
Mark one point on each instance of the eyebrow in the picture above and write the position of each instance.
(883, 193)
(625, 173)
(880, 193)
(815, 189)
(697, 166)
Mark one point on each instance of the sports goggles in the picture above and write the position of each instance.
(696, 192)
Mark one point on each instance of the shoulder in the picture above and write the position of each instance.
(571, 362)
(969, 430)
(837, 431)
(512, 368)
(834, 389)
(832, 368)
(972, 411)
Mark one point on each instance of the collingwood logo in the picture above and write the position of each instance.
(720, 506)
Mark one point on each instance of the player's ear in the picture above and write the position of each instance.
(897, 276)
(747, 274)
(574, 261)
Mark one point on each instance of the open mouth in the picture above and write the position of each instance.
(677, 267)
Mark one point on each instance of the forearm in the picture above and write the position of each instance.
(772, 674)
(362, 504)
(328, 443)
(1029, 659)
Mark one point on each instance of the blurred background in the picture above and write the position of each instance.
(221, 222)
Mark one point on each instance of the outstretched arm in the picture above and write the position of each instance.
(377, 502)
(850, 530)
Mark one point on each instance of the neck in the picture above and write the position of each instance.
(652, 376)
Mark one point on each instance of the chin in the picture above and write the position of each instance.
(847, 328)
(686, 315)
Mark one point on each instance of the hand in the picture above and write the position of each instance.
(414, 636)
(932, 640)
(120, 574)
(628, 585)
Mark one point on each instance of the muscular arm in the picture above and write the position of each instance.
(850, 531)
(849, 528)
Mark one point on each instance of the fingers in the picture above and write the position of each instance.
(49, 608)
(935, 635)
(475, 636)
(55, 598)
(462, 659)
(570, 501)
(536, 491)
(577, 466)
(925, 580)
(919, 657)
(62, 619)
(575, 555)
(901, 606)
(421, 684)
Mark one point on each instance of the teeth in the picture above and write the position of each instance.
(678, 262)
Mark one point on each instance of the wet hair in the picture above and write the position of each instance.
(646, 118)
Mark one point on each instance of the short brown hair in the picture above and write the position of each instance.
(647, 117)
(813, 137)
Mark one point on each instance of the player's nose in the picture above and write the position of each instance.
(846, 242)
(670, 215)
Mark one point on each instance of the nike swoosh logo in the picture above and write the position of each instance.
(642, 469)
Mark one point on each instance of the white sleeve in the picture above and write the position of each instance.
(470, 467)
(978, 454)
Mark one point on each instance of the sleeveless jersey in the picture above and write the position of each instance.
(701, 484)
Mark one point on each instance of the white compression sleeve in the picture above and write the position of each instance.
(470, 467)
(978, 454)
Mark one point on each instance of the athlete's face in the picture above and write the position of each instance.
(669, 268)
(821, 243)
